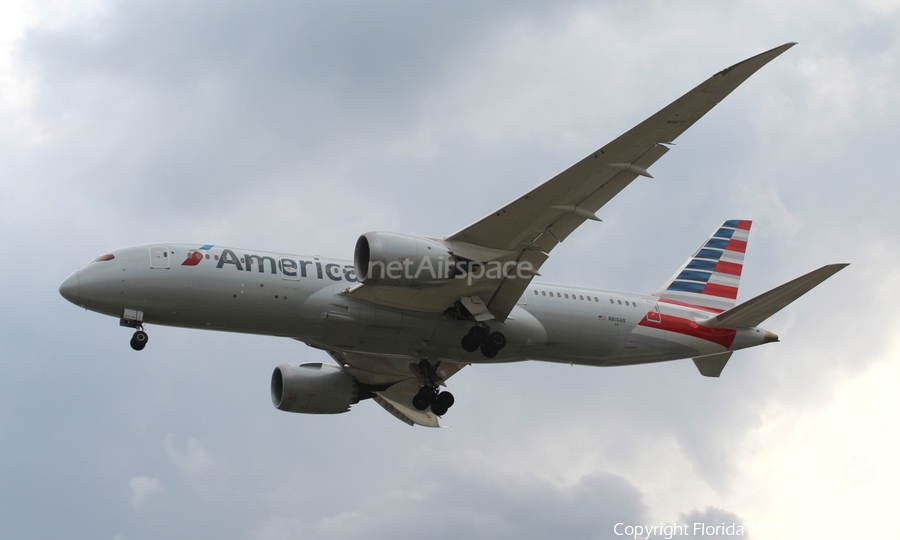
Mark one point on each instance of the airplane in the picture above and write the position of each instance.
(408, 312)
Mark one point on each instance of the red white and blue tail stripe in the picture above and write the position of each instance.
(710, 278)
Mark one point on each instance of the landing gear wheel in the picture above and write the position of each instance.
(444, 399)
(489, 351)
(479, 333)
(496, 340)
(139, 340)
(427, 394)
(419, 403)
(469, 344)
(438, 410)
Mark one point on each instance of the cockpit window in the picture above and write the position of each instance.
(107, 257)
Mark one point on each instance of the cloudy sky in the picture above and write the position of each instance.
(297, 126)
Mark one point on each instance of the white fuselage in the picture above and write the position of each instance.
(303, 298)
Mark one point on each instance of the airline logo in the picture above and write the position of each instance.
(712, 276)
(194, 256)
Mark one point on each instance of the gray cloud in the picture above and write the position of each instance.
(142, 488)
(299, 126)
(465, 506)
(720, 523)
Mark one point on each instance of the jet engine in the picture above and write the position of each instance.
(313, 388)
(392, 260)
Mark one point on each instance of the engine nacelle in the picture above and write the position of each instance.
(402, 261)
(313, 388)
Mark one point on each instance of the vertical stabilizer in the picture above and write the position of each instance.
(710, 278)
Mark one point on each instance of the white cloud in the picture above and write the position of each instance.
(883, 7)
(194, 461)
(836, 465)
(142, 488)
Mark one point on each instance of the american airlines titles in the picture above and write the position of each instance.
(290, 268)
(297, 268)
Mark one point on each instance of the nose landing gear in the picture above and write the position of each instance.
(139, 340)
(135, 319)
(482, 337)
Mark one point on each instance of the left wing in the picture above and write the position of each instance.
(527, 229)
(396, 375)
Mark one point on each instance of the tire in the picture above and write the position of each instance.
(469, 344)
(438, 410)
(427, 395)
(419, 403)
(479, 334)
(445, 400)
(139, 340)
(496, 340)
(489, 352)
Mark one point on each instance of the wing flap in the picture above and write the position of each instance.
(397, 400)
(565, 225)
(511, 290)
(432, 300)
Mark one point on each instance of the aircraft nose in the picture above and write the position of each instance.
(71, 288)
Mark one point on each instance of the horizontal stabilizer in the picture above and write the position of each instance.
(712, 365)
(754, 311)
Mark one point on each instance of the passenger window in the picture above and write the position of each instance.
(581, 297)
(535, 292)
(595, 299)
(589, 298)
(611, 301)
(620, 302)
(567, 295)
(543, 293)
(558, 295)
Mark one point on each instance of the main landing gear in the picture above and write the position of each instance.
(429, 394)
(481, 336)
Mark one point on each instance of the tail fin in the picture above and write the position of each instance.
(710, 278)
